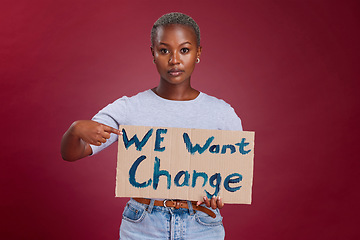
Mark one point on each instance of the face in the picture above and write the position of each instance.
(175, 52)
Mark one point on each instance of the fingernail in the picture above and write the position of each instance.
(198, 203)
(213, 196)
(219, 198)
(204, 198)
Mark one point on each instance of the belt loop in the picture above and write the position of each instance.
(151, 205)
(190, 207)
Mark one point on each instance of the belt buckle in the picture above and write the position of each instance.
(165, 200)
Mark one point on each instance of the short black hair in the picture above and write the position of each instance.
(175, 18)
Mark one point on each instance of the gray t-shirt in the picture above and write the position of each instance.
(148, 109)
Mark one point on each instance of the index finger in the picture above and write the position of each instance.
(112, 130)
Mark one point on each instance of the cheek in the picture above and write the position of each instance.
(159, 61)
(161, 68)
(161, 64)
(187, 57)
(190, 62)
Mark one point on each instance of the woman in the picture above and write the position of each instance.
(176, 49)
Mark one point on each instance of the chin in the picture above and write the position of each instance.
(175, 80)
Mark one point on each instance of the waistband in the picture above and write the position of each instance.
(176, 204)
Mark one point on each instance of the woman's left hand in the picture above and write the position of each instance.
(214, 202)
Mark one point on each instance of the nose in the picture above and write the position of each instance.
(174, 58)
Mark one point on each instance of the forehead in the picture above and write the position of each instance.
(175, 33)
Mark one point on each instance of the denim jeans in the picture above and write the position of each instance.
(142, 221)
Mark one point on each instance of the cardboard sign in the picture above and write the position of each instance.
(182, 163)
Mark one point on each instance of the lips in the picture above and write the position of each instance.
(175, 72)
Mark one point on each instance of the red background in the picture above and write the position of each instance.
(289, 68)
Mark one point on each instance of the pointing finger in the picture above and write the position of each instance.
(112, 130)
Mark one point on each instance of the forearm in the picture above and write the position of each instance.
(73, 147)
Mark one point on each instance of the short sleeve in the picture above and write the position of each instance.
(230, 119)
(112, 115)
(235, 121)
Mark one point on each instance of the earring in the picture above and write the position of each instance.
(197, 60)
(153, 61)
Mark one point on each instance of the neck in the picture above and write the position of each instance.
(178, 92)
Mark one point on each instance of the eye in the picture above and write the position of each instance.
(184, 50)
(164, 51)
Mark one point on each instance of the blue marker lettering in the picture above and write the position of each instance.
(214, 177)
(199, 174)
(139, 145)
(159, 139)
(132, 172)
(214, 149)
(232, 178)
(158, 173)
(232, 148)
(242, 145)
(186, 178)
(192, 149)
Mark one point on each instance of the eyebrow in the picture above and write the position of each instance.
(162, 43)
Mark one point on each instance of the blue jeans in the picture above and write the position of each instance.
(142, 221)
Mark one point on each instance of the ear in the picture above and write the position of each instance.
(199, 49)
(152, 51)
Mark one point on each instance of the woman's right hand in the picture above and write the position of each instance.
(92, 132)
(76, 141)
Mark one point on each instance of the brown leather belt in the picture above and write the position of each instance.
(176, 204)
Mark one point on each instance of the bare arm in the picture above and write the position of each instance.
(75, 143)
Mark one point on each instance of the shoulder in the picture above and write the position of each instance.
(223, 112)
(120, 106)
(215, 102)
(141, 96)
